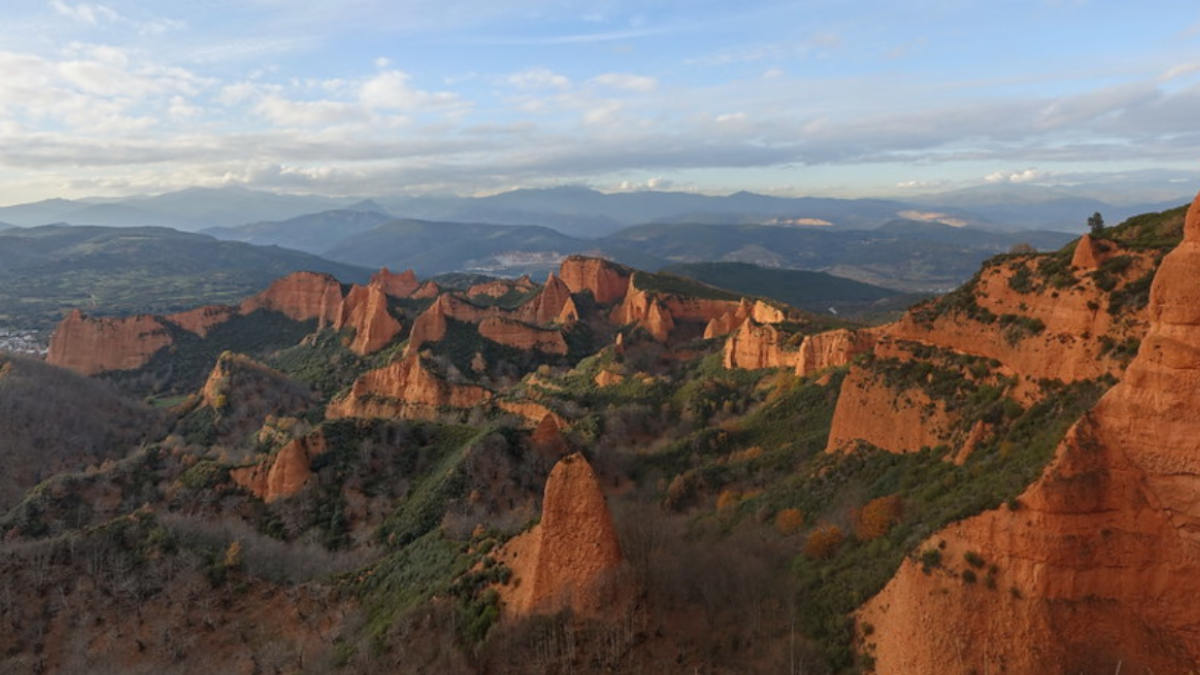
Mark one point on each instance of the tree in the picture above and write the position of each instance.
(1096, 223)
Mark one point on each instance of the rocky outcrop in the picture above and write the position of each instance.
(606, 281)
(1103, 554)
(1076, 333)
(608, 378)
(646, 311)
(552, 305)
(897, 420)
(532, 412)
(91, 346)
(427, 290)
(547, 437)
(405, 388)
(283, 475)
(365, 309)
(518, 335)
(301, 297)
(569, 559)
(755, 345)
(498, 288)
(832, 349)
(396, 285)
(431, 325)
(203, 319)
(1090, 253)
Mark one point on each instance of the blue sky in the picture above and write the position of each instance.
(366, 97)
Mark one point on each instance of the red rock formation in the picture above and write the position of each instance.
(533, 412)
(547, 437)
(283, 475)
(202, 319)
(1103, 553)
(899, 421)
(429, 289)
(405, 388)
(301, 296)
(91, 346)
(832, 349)
(754, 346)
(396, 285)
(566, 560)
(365, 309)
(645, 310)
(1089, 252)
(552, 305)
(519, 335)
(606, 281)
(1076, 320)
(607, 378)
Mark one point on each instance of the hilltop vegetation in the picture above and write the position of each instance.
(45, 271)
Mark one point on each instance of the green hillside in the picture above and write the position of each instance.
(45, 271)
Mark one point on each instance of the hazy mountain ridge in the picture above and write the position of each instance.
(585, 212)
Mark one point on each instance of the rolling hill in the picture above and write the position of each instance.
(47, 270)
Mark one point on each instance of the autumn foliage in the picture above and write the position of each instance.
(823, 541)
(877, 517)
(788, 521)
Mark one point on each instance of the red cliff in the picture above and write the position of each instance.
(405, 388)
(396, 285)
(91, 346)
(202, 319)
(365, 309)
(301, 296)
(832, 349)
(283, 475)
(1103, 556)
(518, 335)
(552, 305)
(607, 281)
(568, 560)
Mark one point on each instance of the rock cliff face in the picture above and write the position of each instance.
(1103, 555)
(283, 475)
(606, 281)
(91, 346)
(520, 335)
(552, 305)
(565, 561)
(396, 285)
(427, 290)
(365, 309)
(1070, 346)
(405, 388)
(301, 296)
(1089, 253)
(832, 349)
(898, 420)
(202, 319)
(498, 288)
(754, 346)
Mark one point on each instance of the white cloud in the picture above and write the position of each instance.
(1026, 176)
(1178, 70)
(538, 78)
(390, 90)
(291, 113)
(628, 81)
(91, 14)
(726, 118)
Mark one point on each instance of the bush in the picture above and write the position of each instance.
(877, 517)
(973, 559)
(788, 521)
(823, 541)
(931, 559)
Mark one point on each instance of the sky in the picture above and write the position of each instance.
(375, 97)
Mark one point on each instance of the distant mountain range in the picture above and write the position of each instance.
(586, 213)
